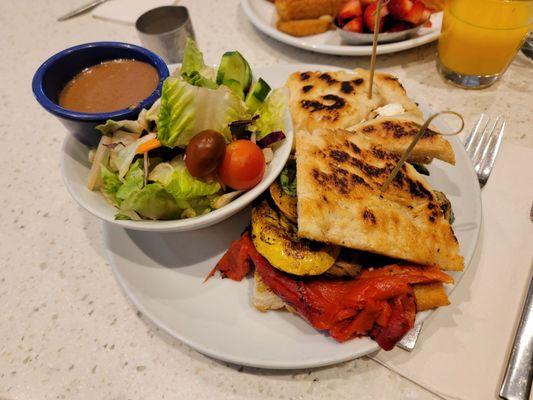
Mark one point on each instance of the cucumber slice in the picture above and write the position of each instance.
(234, 72)
(248, 76)
(257, 95)
(235, 86)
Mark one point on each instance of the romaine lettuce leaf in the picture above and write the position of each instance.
(193, 68)
(110, 185)
(133, 181)
(152, 114)
(177, 113)
(177, 181)
(128, 215)
(195, 207)
(187, 110)
(152, 202)
(125, 125)
(272, 113)
(125, 156)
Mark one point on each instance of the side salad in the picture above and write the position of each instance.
(207, 140)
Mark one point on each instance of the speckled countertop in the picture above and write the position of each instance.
(66, 329)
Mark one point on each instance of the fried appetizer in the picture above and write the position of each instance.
(305, 27)
(306, 9)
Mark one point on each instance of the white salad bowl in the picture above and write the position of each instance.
(75, 168)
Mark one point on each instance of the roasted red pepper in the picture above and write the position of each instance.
(235, 264)
(379, 302)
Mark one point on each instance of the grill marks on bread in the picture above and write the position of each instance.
(349, 166)
(396, 134)
(403, 222)
(338, 99)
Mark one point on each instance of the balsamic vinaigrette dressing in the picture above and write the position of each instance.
(109, 86)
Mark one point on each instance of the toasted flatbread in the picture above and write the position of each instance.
(264, 298)
(396, 134)
(339, 201)
(339, 99)
(430, 296)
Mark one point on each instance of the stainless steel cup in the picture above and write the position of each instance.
(165, 30)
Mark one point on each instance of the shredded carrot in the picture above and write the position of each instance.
(149, 145)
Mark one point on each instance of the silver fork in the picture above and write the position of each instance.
(482, 146)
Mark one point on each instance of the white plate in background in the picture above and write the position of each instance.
(262, 15)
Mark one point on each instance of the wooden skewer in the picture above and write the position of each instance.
(417, 137)
(374, 48)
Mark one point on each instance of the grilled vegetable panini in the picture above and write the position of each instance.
(325, 242)
(339, 177)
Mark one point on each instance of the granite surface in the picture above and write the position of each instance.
(66, 329)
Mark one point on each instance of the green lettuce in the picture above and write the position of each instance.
(124, 157)
(110, 185)
(187, 109)
(177, 180)
(128, 215)
(133, 181)
(272, 113)
(111, 127)
(152, 202)
(193, 69)
(287, 179)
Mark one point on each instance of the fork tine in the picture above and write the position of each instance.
(489, 155)
(482, 144)
(477, 137)
(474, 132)
(476, 142)
(490, 140)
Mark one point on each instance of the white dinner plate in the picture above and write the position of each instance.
(163, 273)
(262, 14)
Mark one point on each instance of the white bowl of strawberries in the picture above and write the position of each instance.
(400, 19)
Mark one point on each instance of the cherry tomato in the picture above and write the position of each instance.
(204, 153)
(243, 166)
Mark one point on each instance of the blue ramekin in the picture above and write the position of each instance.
(59, 69)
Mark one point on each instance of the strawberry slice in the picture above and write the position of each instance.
(350, 9)
(400, 8)
(418, 13)
(398, 26)
(354, 25)
(370, 16)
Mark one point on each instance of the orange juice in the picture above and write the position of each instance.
(481, 37)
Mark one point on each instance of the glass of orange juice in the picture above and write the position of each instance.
(480, 38)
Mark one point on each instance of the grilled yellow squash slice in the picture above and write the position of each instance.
(276, 238)
(286, 204)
